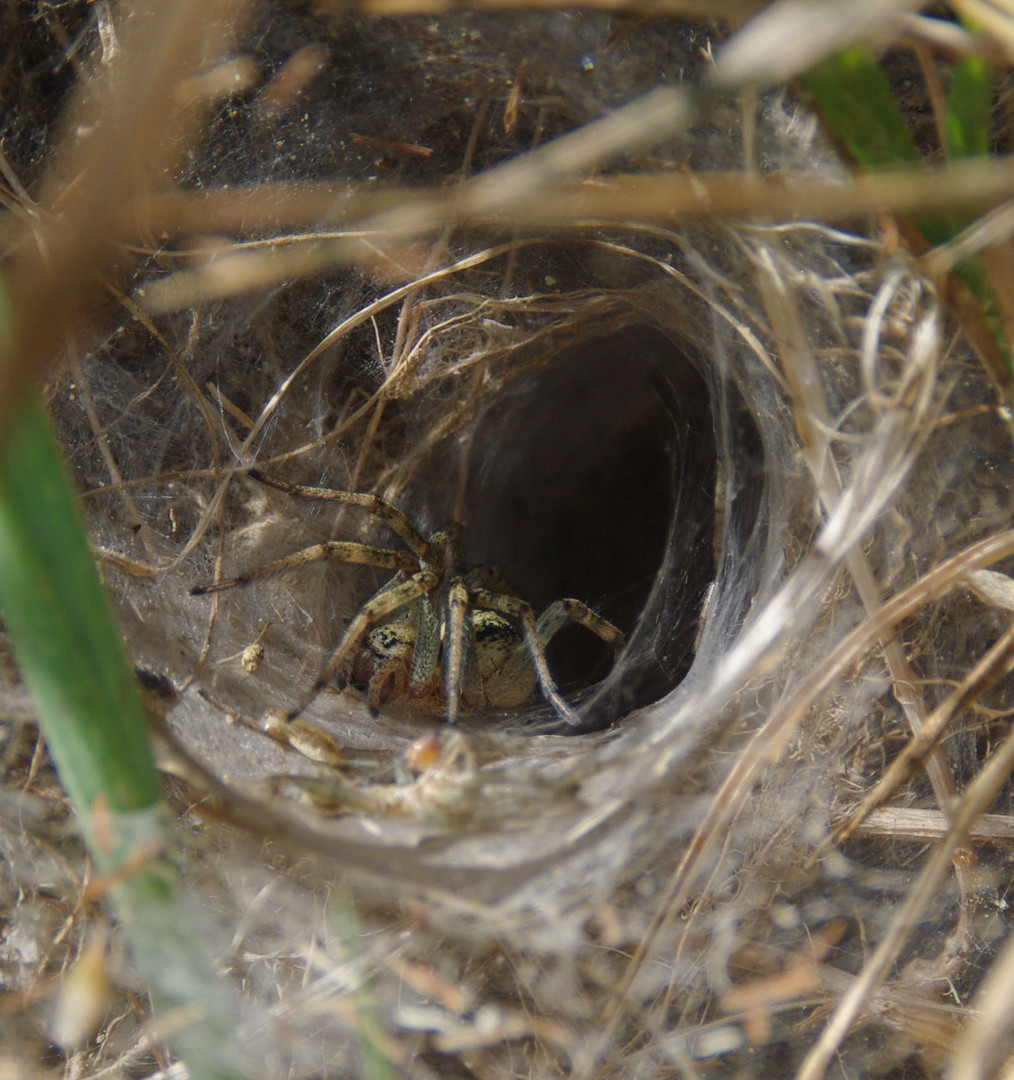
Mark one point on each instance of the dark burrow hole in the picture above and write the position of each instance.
(594, 477)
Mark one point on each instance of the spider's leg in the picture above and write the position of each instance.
(388, 513)
(458, 625)
(348, 551)
(427, 647)
(569, 610)
(391, 597)
(471, 683)
(516, 608)
(517, 671)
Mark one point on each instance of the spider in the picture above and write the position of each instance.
(435, 636)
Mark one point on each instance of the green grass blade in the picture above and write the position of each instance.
(858, 106)
(67, 644)
(970, 108)
(856, 100)
(91, 714)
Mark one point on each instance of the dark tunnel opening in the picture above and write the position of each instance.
(594, 477)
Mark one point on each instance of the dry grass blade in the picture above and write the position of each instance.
(993, 666)
(983, 1048)
(994, 774)
(927, 826)
(790, 36)
(733, 10)
(129, 126)
(664, 198)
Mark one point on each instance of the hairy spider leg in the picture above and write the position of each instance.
(516, 608)
(391, 678)
(347, 551)
(426, 650)
(568, 610)
(516, 672)
(392, 596)
(388, 513)
(454, 646)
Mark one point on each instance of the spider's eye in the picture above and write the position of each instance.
(594, 477)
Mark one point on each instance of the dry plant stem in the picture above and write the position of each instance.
(977, 797)
(788, 38)
(935, 91)
(993, 666)
(948, 38)
(983, 1050)
(138, 126)
(732, 11)
(436, 254)
(767, 742)
(812, 422)
(991, 230)
(663, 198)
(133, 515)
(927, 826)
(994, 21)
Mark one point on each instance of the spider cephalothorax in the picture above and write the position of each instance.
(433, 635)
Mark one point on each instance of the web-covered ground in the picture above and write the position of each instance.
(762, 450)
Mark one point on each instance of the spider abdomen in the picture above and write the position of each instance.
(495, 641)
